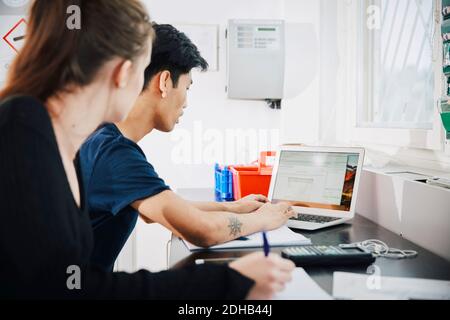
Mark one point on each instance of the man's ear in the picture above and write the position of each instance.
(123, 74)
(164, 83)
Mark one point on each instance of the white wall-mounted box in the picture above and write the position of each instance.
(255, 59)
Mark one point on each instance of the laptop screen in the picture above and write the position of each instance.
(323, 180)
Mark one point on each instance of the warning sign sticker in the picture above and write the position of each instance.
(15, 37)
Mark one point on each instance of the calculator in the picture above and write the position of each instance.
(304, 256)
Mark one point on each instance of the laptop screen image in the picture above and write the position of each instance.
(322, 180)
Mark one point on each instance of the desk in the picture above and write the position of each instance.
(426, 265)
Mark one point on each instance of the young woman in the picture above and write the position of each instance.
(62, 85)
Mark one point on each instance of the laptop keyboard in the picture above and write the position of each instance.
(314, 218)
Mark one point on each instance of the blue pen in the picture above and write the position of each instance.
(266, 244)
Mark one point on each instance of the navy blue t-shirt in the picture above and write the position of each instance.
(116, 173)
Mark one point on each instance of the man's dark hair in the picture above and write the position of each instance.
(173, 51)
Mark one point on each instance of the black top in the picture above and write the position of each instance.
(43, 232)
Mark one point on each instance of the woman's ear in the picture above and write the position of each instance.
(123, 74)
(164, 83)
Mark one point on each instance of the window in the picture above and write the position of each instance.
(397, 67)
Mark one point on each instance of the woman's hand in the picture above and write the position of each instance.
(270, 274)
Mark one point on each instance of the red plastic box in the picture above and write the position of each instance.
(253, 179)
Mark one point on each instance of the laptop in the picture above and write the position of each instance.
(320, 183)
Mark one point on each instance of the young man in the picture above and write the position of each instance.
(121, 184)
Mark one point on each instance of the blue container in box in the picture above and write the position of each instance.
(224, 183)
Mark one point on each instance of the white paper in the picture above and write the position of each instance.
(302, 287)
(376, 287)
(282, 237)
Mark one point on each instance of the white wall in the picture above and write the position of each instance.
(300, 114)
(208, 107)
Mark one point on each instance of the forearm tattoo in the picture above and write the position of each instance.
(235, 226)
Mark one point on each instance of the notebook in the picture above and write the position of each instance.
(302, 287)
(282, 237)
